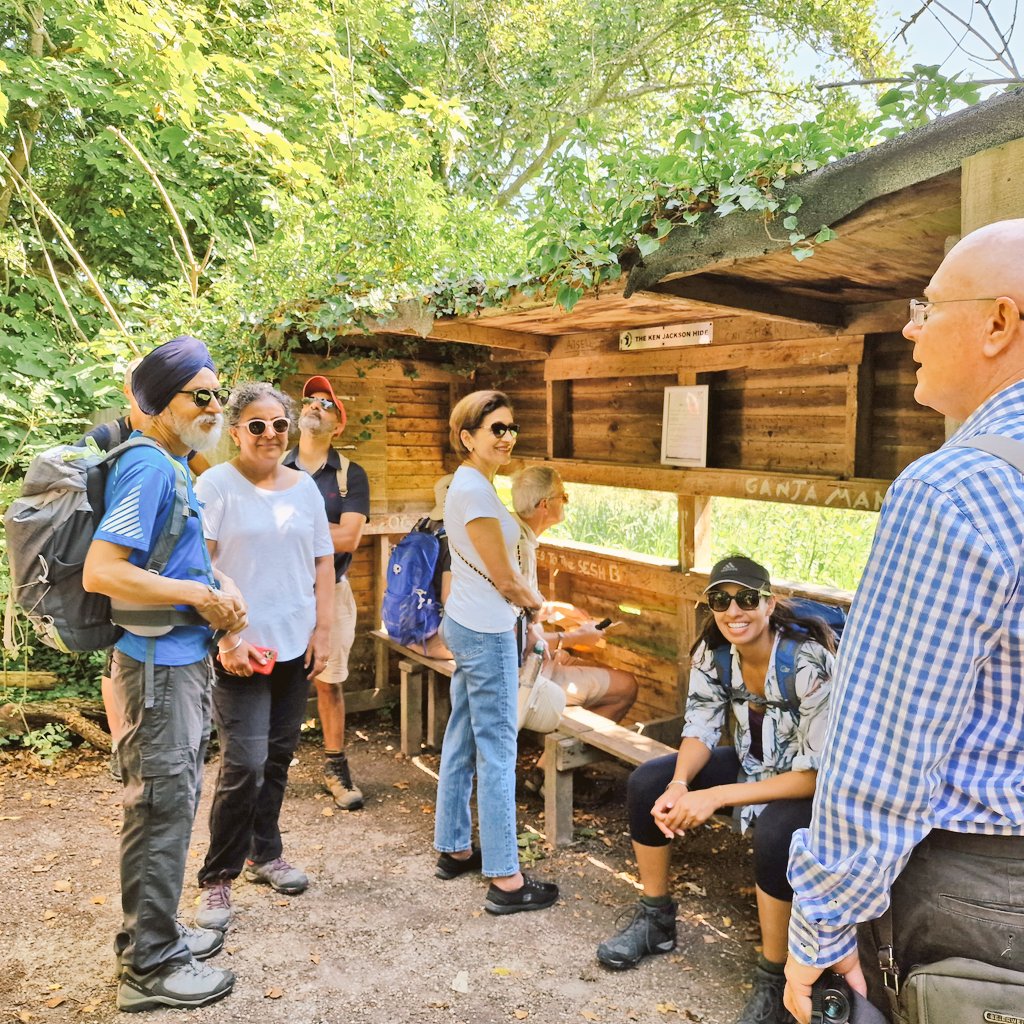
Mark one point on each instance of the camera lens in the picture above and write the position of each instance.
(835, 1007)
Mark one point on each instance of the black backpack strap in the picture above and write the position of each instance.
(785, 672)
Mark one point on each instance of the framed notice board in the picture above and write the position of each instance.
(684, 426)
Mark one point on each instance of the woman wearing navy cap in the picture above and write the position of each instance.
(766, 777)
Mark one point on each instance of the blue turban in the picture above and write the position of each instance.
(161, 374)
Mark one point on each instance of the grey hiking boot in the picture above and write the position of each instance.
(215, 905)
(279, 875)
(765, 1003)
(203, 943)
(180, 986)
(338, 782)
(649, 930)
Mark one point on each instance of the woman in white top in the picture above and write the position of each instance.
(488, 595)
(267, 522)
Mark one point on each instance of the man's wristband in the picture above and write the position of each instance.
(680, 782)
(228, 650)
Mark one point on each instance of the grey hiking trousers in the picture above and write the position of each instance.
(161, 755)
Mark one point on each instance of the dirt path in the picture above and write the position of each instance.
(376, 939)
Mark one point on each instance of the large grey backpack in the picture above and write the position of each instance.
(49, 530)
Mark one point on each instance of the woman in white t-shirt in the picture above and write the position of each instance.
(268, 523)
(488, 594)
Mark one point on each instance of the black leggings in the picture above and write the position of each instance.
(775, 824)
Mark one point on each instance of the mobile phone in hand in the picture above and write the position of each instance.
(257, 665)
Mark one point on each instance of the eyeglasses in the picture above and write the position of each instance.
(204, 396)
(258, 427)
(501, 429)
(324, 403)
(919, 307)
(748, 600)
(563, 498)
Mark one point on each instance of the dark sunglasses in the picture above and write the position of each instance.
(204, 396)
(501, 429)
(257, 427)
(748, 600)
(324, 403)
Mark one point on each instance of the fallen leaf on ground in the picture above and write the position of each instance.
(726, 922)
(314, 958)
(460, 983)
(99, 900)
(273, 993)
(667, 1008)
(589, 1015)
(49, 915)
(62, 886)
(502, 972)
(401, 785)
(328, 812)
(282, 903)
(24, 1016)
(11, 817)
(521, 1014)
(55, 1001)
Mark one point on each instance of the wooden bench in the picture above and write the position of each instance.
(581, 738)
(417, 673)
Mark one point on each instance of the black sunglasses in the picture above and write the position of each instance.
(258, 427)
(748, 600)
(324, 403)
(501, 429)
(204, 396)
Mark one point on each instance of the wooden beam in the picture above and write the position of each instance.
(878, 317)
(992, 186)
(747, 297)
(841, 350)
(471, 333)
(788, 488)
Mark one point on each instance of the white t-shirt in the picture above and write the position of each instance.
(267, 542)
(473, 601)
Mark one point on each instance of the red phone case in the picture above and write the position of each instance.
(263, 668)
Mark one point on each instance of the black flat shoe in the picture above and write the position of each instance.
(449, 867)
(531, 895)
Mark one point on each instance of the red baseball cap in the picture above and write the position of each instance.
(323, 384)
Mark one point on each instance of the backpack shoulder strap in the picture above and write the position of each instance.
(785, 672)
(342, 474)
(723, 666)
(1005, 448)
(174, 524)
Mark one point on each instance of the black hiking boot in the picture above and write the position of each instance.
(649, 930)
(765, 1003)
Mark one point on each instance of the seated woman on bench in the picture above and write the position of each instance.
(766, 777)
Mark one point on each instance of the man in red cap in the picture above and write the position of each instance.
(346, 494)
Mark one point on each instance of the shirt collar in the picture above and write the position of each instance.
(333, 459)
(528, 533)
(1003, 413)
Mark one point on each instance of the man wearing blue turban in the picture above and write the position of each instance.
(161, 674)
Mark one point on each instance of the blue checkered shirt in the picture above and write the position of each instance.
(926, 728)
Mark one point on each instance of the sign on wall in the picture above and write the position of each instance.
(684, 426)
(669, 336)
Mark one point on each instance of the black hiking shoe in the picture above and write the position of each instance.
(649, 930)
(765, 1003)
(531, 895)
(449, 867)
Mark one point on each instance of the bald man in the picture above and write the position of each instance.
(920, 800)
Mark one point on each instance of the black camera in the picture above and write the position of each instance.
(834, 1002)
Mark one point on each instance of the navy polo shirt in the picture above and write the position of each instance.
(356, 500)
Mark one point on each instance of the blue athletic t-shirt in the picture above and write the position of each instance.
(139, 497)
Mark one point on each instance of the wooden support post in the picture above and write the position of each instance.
(865, 409)
(559, 419)
(411, 712)
(852, 419)
(382, 660)
(439, 708)
(562, 754)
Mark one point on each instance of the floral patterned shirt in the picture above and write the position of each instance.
(790, 742)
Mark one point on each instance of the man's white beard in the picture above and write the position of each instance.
(313, 424)
(199, 434)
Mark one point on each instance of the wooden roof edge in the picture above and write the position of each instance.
(838, 189)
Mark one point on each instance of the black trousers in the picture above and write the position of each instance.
(772, 833)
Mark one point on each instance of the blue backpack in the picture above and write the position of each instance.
(785, 652)
(412, 609)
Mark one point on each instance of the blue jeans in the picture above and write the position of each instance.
(481, 739)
